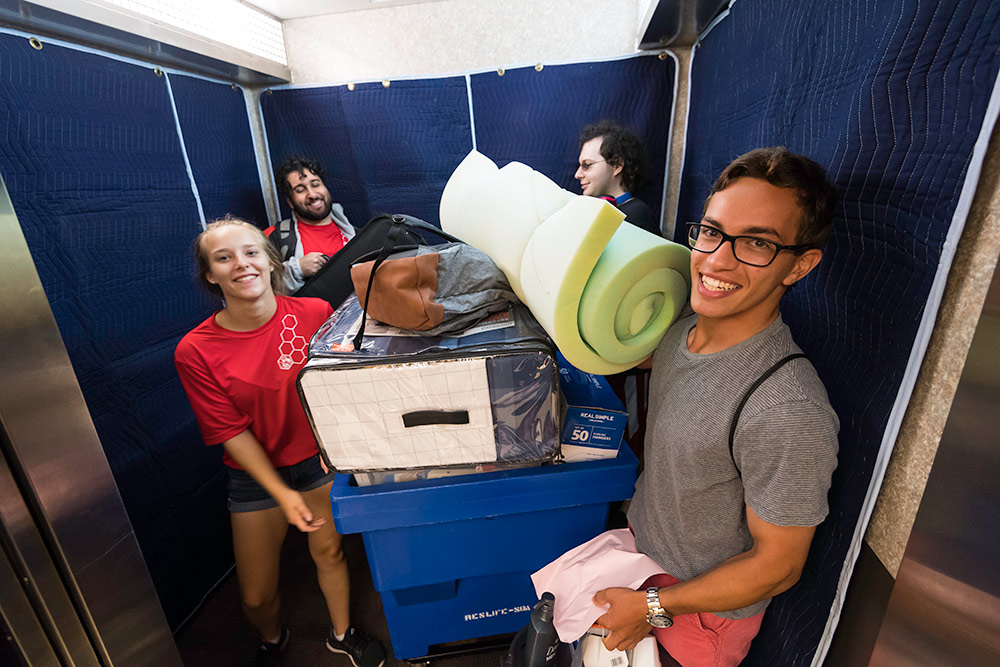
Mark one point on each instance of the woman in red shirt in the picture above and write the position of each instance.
(238, 368)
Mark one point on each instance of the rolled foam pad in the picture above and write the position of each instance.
(498, 210)
(557, 265)
(644, 281)
(468, 177)
(604, 291)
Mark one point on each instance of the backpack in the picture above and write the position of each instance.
(285, 237)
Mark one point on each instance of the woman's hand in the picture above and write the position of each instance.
(297, 513)
(246, 450)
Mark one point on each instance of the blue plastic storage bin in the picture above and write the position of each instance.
(452, 557)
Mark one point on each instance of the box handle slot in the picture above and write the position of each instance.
(429, 417)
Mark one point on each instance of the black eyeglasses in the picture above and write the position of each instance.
(751, 250)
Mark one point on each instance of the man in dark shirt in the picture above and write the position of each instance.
(613, 166)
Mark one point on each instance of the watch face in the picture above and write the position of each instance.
(659, 620)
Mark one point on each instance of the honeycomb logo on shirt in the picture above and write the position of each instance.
(293, 346)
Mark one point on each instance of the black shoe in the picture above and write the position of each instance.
(268, 654)
(364, 651)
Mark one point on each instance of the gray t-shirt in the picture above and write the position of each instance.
(688, 511)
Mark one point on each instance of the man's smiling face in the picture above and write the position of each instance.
(596, 175)
(309, 197)
(724, 288)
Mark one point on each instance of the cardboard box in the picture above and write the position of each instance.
(595, 420)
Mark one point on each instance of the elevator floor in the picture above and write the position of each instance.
(219, 636)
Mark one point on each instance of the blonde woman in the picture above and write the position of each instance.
(238, 368)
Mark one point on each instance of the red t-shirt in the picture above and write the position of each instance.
(246, 379)
(327, 239)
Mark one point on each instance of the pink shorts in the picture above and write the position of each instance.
(705, 640)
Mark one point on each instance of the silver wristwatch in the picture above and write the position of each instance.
(656, 615)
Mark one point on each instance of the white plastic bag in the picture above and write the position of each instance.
(595, 654)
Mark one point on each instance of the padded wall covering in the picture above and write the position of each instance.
(90, 154)
(535, 117)
(393, 149)
(216, 130)
(890, 97)
(385, 150)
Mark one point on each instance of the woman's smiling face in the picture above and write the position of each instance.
(237, 262)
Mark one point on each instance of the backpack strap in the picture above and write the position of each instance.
(746, 397)
(285, 237)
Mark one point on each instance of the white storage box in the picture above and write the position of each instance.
(404, 401)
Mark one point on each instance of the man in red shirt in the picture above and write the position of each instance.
(317, 228)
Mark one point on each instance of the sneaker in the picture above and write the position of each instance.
(268, 654)
(364, 651)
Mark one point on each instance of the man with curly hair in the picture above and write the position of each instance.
(612, 165)
(317, 228)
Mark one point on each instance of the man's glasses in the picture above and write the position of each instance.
(751, 250)
(585, 165)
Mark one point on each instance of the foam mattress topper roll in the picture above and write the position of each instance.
(604, 290)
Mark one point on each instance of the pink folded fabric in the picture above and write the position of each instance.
(608, 560)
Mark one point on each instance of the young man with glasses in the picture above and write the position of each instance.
(729, 515)
(612, 165)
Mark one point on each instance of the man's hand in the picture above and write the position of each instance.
(311, 263)
(625, 617)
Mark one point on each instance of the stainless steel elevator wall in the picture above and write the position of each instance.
(65, 533)
(945, 604)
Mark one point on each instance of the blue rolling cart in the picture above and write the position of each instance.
(452, 557)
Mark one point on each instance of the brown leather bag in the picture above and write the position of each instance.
(403, 291)
(437, 289)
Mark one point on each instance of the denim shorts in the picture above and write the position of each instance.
(246, 495)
